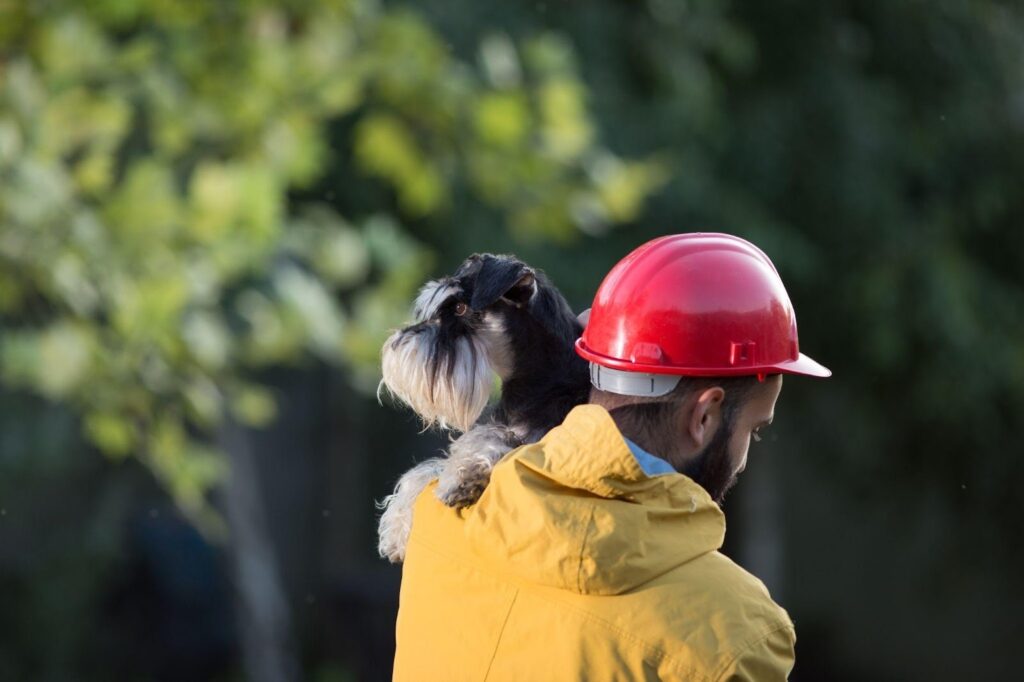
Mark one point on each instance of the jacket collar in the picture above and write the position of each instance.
(577, 511)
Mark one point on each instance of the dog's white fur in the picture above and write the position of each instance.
(396, 521)
(430, 298)
(460, 392)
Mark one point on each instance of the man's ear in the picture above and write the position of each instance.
(706, 416)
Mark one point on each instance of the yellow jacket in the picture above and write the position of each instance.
(576, 565)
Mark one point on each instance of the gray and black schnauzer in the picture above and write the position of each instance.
(494, 316)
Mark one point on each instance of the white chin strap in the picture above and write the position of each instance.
(632, 383)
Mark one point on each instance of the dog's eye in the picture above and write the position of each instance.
(461, 308)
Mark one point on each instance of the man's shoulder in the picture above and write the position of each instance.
(727, 586)
(712, 587)
(709, 613)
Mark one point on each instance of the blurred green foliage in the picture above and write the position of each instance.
(154, 249)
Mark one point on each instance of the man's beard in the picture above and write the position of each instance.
(712, 469)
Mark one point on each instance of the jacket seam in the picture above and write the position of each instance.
(650, 650)
(748, 647)
(501, 633)
(583, 546)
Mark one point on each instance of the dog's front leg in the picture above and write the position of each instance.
(396, 521)
(466, 471)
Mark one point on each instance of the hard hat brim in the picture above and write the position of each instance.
(803, 365)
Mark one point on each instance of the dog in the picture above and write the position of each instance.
(494, 316)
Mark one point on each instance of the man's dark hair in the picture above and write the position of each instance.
(643, 419)
(648, 422)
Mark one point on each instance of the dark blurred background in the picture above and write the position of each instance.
(211, 214)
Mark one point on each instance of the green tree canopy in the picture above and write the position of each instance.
(159, 239)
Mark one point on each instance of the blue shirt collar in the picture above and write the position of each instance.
(651, 465)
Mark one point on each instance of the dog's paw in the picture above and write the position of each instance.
(467, 470)
(461, 486)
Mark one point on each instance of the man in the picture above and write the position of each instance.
(593, 554)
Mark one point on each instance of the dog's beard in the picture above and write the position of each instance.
(447, 387)
(446, 382)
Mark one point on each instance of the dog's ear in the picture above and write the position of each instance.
(523, 290)
(502, 277)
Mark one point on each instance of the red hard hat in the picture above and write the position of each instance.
(699, 304)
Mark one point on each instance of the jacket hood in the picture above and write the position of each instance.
(576, 511)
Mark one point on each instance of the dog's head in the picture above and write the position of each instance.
(443, 365)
